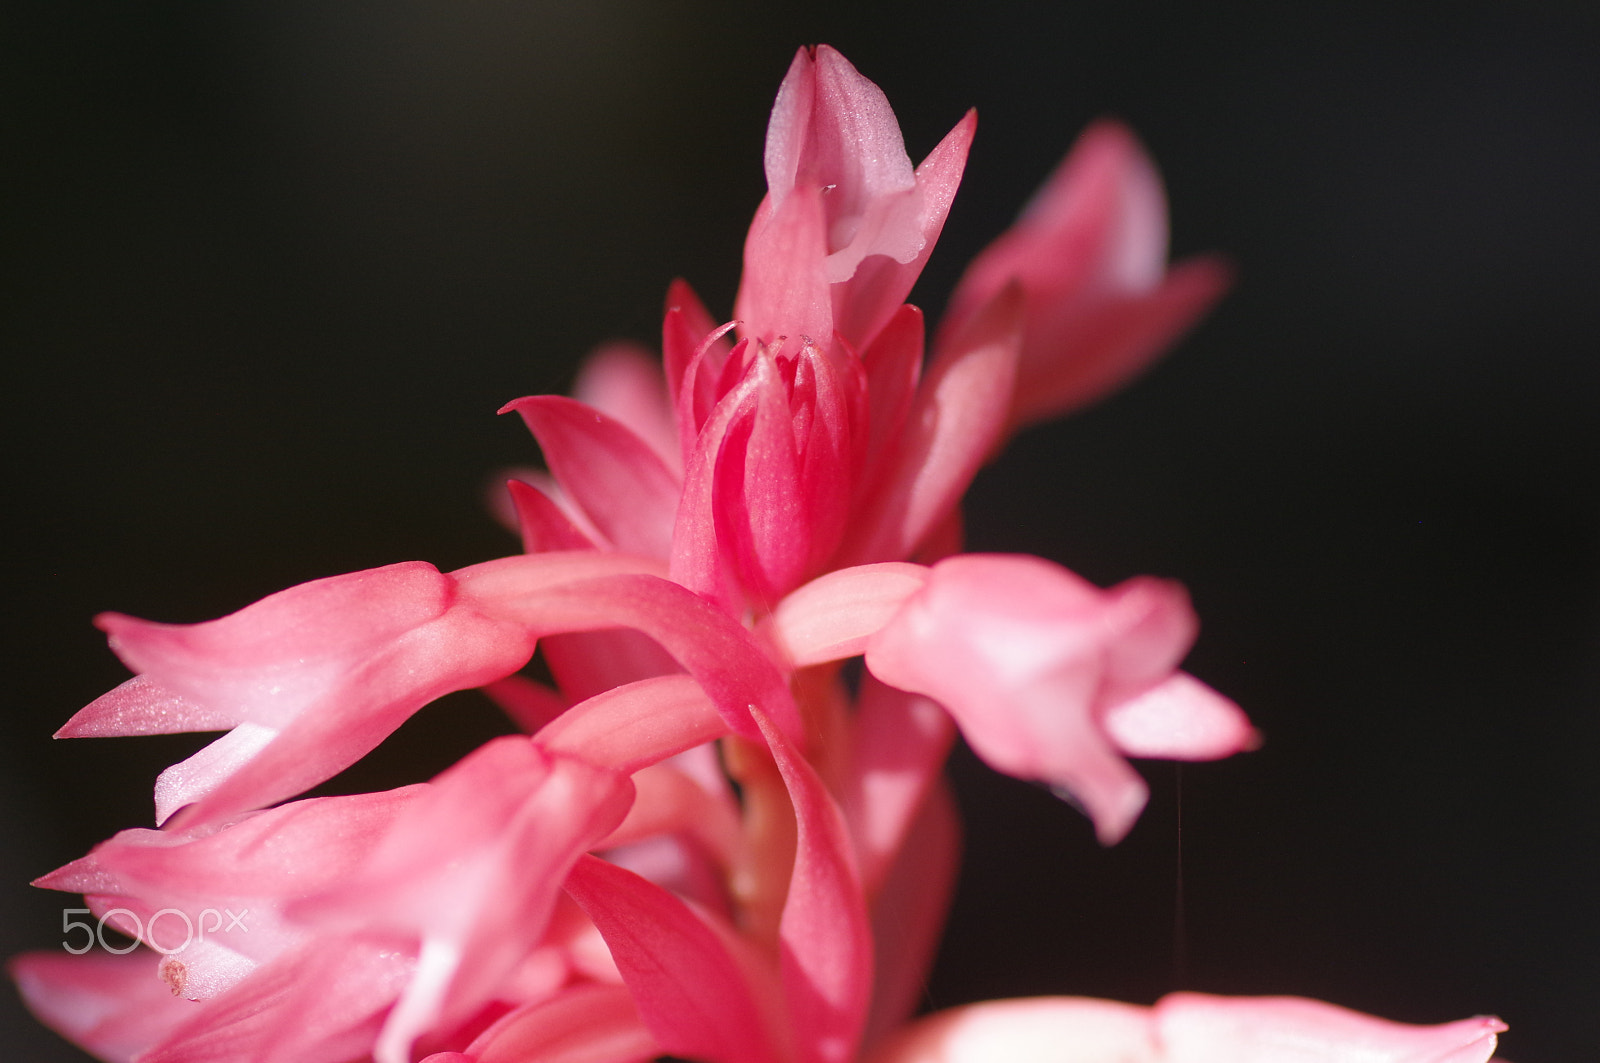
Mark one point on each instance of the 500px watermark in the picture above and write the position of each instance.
(210, 921)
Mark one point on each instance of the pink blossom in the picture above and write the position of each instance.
(1090, 254)
(712, 845)
(847, 223)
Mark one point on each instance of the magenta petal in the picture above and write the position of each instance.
(685, 324)
(623, 381)
(955, 424)
(541, 522)
(824, 934)
(691, 992)
(616, 477)
(583, 1024)
(893, 364)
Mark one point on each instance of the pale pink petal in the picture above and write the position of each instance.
(893, 364)
(114, 1006)
(619, 481)
(834, 615)
(1039, 1030)
(1180, 719)
(847, 223)
(909, 913)
(1207, 1029)
(623, 381)
(584, 1024)
(318, 674)
(879, 277)
(954, 425)
(685, 325)
(785, 290)
(824, 935)
(224, 891)
(471, 870)
(141, 707)
(323, 1003)
(669, 802)
(692, 993)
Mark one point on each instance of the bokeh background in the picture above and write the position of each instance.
(271, 267)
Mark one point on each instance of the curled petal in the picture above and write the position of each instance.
(314, 677)
(1029, 659)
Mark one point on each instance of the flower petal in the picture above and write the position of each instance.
(691, 992)
(824, 935)
(617, 478)
(953, 427)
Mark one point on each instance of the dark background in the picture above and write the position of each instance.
(270, 269)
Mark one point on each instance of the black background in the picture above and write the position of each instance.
(270, 269)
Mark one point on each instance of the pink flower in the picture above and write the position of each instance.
(712, 846)
(847, 224)
(1090, 254)
(1049, 677)
(412, 910)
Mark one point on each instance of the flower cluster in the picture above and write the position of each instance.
(715, 841)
